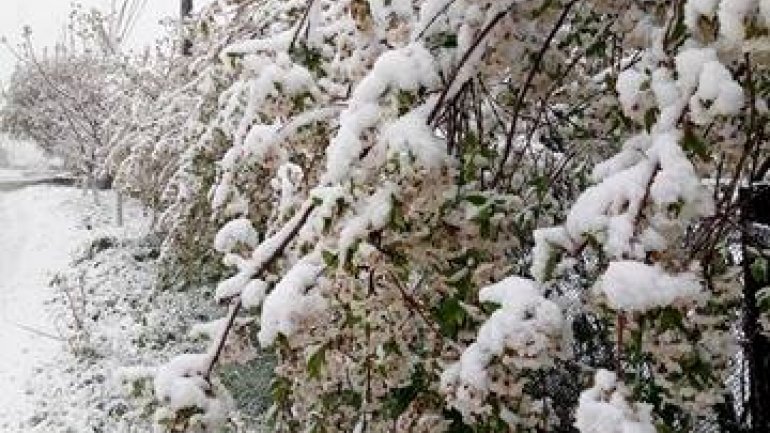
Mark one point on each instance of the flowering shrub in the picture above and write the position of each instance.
(420, 214)
(451, 215)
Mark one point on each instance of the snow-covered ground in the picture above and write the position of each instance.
(82, 321)
(40, 226)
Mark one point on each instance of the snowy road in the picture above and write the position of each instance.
(39, 228)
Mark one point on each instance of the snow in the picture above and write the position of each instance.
(718, 94)
(232, 287)
(235, 232)
(619, 194)
(689, 64)
(525, 323)
(254, 294)
(677, 181)
(373, 214)
(632, 152)
(40, 226)
(410, 137)
(30, 223)
(278, 42)
(428, 12)
(408, 69)
(180, 383)
(291, 301)
(22, 155)
(694, 9)
(604, 409)
(635, 286)
(288, 176)
(628, 87)
(545, 241)
(381, 10)
(764, 9)
(731, 14)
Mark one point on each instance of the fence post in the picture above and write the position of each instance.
(755, 218)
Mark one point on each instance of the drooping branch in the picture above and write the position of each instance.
(283, 238)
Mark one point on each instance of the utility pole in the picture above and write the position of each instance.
(185, 11)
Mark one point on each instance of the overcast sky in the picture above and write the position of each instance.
(47, 18)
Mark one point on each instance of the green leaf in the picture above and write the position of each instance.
(280, 389)
(554, 258)
(476, 199)
(649, 118)
(680, 30)
(309, 57)
(489, 307)
(449, 40)
(759, 270)
(670, 318)
(693, 145)
(316, 362)
(406, 100)
(327, 225)
(450, 316)
(397, 220)
(675, 209)
(763, 299)
(444, 40)
(330, 259)
(484, 220)
(390, 347)
(597, 48)
(543, 8)
(345, 397)
(399, 399)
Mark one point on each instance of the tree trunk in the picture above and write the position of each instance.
(185, 10)
(119, 208)
(756, 236)
(94, 189)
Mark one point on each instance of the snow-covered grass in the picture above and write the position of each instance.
(39, 227)
(83, 322)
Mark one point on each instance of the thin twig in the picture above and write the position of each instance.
(466, 57)
(39, 332)
(524, 89)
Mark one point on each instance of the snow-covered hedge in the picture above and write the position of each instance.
(450, 215)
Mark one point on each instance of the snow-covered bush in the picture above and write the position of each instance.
(449, 215)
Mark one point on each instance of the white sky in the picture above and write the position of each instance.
(47, 18)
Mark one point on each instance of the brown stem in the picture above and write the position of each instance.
(466, 57)
(237, 304)
(301, 24)
(524, 89)
(621, 323)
